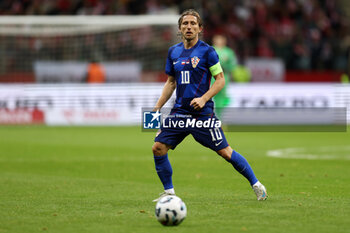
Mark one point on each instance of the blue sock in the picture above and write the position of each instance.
(243, 167)
(164, 171)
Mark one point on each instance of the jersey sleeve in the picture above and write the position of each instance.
(213, 57)
(169, 67)
(213, 62)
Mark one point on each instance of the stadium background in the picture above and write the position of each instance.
(56, 43)
(101, 179)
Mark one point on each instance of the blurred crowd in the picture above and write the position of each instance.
(84, 7)
(306, 34)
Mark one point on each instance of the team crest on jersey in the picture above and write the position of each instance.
(194, 61)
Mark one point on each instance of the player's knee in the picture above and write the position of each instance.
(225, 153)
(159, 149)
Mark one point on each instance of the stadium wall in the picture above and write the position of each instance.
(122, 103)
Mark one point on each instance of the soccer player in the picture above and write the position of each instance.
(190, 66)
(228, 62)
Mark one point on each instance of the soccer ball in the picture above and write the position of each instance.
(170, 210)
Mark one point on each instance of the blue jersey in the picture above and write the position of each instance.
(190, 68)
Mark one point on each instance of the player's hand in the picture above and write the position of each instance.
(198, 103)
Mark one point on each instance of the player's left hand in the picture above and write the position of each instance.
(198, 103)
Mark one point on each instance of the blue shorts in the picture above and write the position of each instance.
(172, 134)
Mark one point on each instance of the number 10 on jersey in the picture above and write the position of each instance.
(185, 77)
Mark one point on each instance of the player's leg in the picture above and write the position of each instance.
(163, 166)
(243, 167)
(166, 139)
(215, 139)
(239, 163)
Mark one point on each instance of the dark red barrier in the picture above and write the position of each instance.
(17, 78)
(21, 117)
(312, 76)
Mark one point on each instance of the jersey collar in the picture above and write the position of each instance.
(195, 46)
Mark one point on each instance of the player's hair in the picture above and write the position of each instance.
(190, 12)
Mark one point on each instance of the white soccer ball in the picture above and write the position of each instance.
(170, 210)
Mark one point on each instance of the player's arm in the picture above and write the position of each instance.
(219, 83)
(168, 90)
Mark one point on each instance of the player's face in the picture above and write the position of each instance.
(189, 27)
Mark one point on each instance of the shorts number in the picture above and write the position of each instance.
(215, 134)
(185, 77)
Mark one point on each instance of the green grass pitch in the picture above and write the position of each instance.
(102, 179)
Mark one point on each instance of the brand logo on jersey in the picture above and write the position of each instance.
(216, 144)
(151, 120)
(194, 61)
